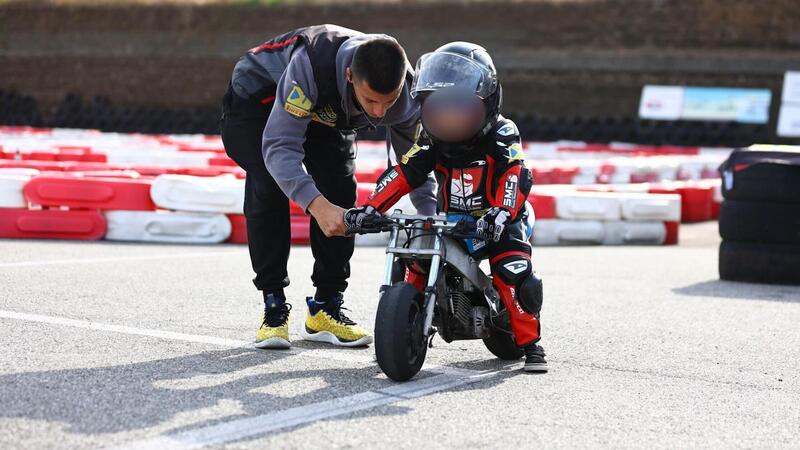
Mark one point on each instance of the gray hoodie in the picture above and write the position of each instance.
(284, 133)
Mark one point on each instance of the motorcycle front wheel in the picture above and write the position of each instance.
(400, 345)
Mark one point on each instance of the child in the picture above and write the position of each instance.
(477, 158)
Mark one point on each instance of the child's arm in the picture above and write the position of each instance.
(512, 180)
(411, 172)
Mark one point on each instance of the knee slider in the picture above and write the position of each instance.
(530, 294)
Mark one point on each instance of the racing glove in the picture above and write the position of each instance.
(493, 223)
(364, 217)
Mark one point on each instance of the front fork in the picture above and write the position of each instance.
(433, 275)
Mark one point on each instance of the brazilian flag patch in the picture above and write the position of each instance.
(514, 152)
(297, 104)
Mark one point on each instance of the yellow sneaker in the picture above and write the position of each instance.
(274, 330)
(333, 327)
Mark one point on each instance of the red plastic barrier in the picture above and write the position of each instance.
(363, 191)
(544, 206)
(295, 209)
(301, 228)
(28, 164)
(200, 171)
(94, 193)
(24, 130)
(200, 148)
(638, 150)
(238, 229)
(221, 161)
(696, 201)
(52, 224)
(672, 233)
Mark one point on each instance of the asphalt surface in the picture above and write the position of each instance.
(147, 346)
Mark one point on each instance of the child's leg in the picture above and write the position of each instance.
(518, 286)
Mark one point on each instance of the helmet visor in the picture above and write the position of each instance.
(439, 70)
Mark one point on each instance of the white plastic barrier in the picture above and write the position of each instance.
(660, 207)
(160, 157)
(642, 233)
(588, 206)
(11, 183)
(595, 232)
(566, 232)
(167, 227)
(223, 194)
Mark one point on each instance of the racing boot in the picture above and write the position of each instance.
(325, 322)
(274, 330)
(534, 359)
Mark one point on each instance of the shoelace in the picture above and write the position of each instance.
(337, 313)
(275, 317)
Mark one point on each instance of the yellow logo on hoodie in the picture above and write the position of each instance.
(297, 104)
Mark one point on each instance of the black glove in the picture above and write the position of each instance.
(364, 217)
(493, 223)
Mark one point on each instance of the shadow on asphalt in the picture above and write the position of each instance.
(742, 291)
(137, 396)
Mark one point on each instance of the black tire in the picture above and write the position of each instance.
(503, 346)
(777, 223)
(759, 263)
(400, 346)
(760, 181)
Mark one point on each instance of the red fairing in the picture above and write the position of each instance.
(391, 186)
(524, 325)
(508, 194)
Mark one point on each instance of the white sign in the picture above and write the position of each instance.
(789, 120)
(745, 105)
(661, 102)
(791, 87)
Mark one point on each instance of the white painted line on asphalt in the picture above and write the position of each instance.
(118, 259)
(239, 429)
(340, 354)
(171, 335)
(234, 430)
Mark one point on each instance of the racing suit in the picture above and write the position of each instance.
(491, 173)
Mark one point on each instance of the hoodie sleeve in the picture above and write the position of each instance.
(285, 132)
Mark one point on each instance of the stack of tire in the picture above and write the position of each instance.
(760, 217)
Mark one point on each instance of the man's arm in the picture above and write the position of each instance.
(283, 138)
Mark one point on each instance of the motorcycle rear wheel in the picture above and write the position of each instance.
(503, 346)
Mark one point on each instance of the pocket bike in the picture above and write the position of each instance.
(452, 295)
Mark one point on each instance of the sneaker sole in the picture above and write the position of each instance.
(329, 338)
(538, 367)
(273, 343)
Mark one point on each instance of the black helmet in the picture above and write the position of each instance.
(462, 67)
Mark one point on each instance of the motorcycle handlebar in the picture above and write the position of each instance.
(462, 229)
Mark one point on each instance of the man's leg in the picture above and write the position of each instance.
(266, 210)
(331, 162)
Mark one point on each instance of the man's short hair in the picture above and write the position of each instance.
(381, 63)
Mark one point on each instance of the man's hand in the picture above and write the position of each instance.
(493, 223)
(356, 218)
(329, 216)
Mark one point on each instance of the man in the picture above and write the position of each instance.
(296, 101)
(477, 156)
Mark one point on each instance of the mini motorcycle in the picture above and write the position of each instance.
(432, 284)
